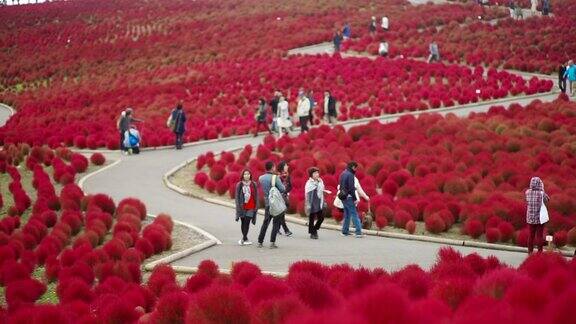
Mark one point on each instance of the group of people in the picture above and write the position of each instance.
(567, 72)
(282, 118)
(130, 138)
(516, 11)
(346, 32)
(276, 181)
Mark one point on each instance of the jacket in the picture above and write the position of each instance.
(571, 73)
(303, 109)
(313, 196)
(346, 183)
(535, 196)
(330, 106)
(179, 120)
(265, 181)
(240, 212)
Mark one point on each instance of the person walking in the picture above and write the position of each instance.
(360, 193)
(177, 123)
(434, 52)
(534, 7)
(570, 74)
(283, 118)
(535, 199)
(124, 124)
(246, 204)
(373, 26)
(347, 193)
(260, 117)
(383, 49)
(330, 113)
(385, 23)
(314, 203)
(545, 7)
(562, 78)
(303, 111)
(274, 108)
(267, 181)
(337, 40)
(310, 96)
(283, 173)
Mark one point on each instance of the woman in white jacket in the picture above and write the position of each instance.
(283, 120)
(359, 193)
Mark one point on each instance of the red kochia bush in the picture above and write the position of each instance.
(493, 235)
(435, 224)
(74, 290)
(219, 305)
(97, 159)
(133, 202)
(163, 278)
(200, 179)
(474, 228)
(25, 291)
(79, 162)
(244, 272)
(560, 238)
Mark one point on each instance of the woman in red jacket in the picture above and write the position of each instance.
(246, 204)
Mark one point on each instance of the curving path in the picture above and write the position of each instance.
(141, 176)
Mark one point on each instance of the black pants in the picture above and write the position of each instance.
(245, 226)
(314, 227)
(303, 124)
(562, 85)
(179, 140)
(122, 148)
(283, 224)
(275, 226)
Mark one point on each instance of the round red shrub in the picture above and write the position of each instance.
(79, 162)
(165, 221)
(474, 228)
(435, 224)
(506, 231)
(560, 238)
(74, 290)
(132, 202)
(219, 305)
(162, 276)
(493, 235)
(411, 226)
(25, 291)
(245, 272)
(98, 159)
(200, 179)
(401, 217)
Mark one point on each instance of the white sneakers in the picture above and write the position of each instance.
(242, 242)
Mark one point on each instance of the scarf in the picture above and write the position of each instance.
(246, 191)
(312, 185)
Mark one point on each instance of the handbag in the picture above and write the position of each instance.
(544, 218)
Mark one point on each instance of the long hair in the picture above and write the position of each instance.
(242, 174)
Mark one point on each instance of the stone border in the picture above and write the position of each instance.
(193, 270)
(392, 235)
(212, 240)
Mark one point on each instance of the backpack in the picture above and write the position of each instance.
(133, 139)
(276, 200)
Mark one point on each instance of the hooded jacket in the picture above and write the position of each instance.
(535, 195)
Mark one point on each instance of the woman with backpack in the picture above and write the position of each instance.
(282, 171)
(536, 213)
(246, 204)
(177, 123)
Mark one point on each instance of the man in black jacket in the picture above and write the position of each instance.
(347, 194)
(329, 107)
(561, 78)
(274, 107)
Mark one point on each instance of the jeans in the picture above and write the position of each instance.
(179, 140)
(562, 85)
(245, 227)
(536, 234)
(275, 226)
(314, 227)
(283, 224)
(351, 212)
